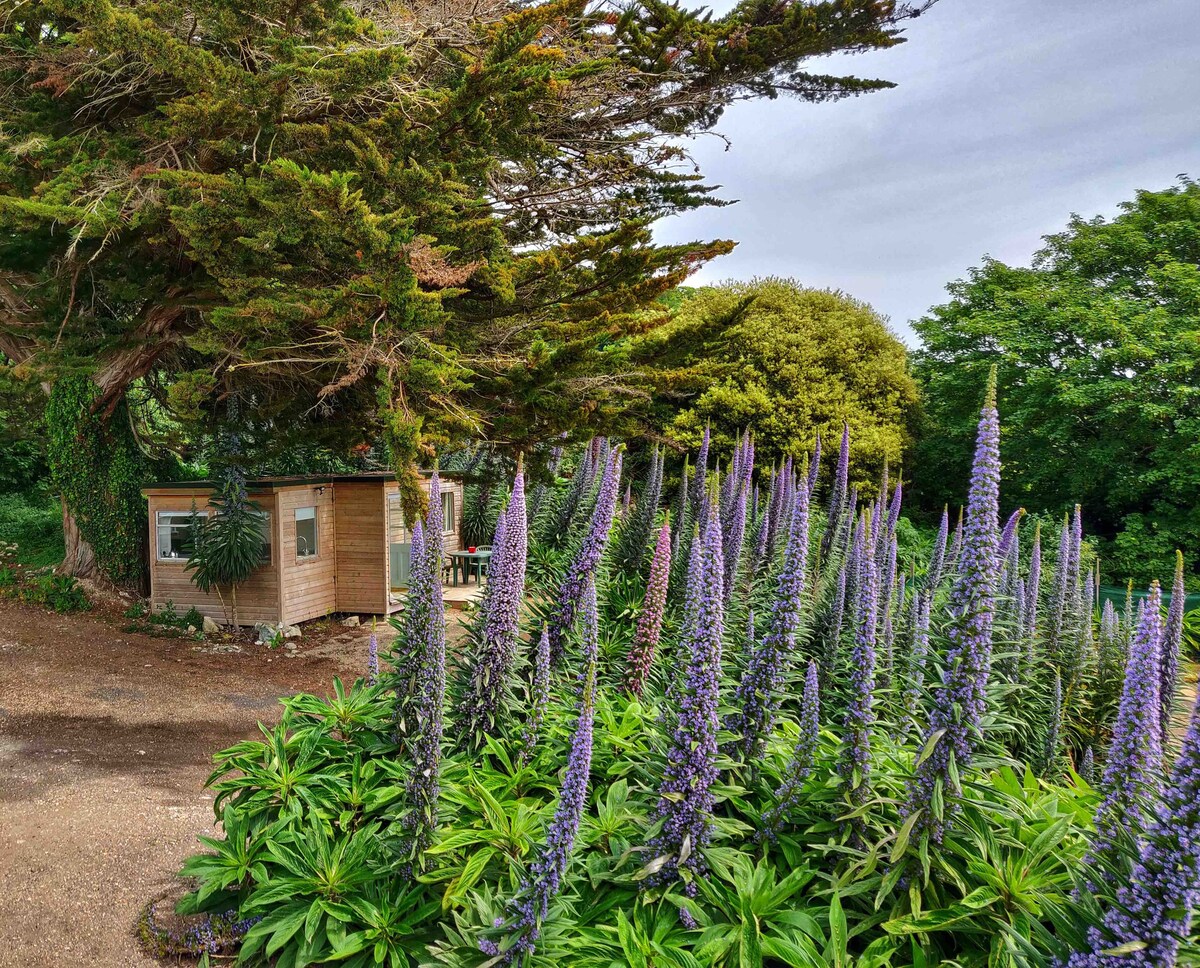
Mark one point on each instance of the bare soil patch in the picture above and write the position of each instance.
(106, 738)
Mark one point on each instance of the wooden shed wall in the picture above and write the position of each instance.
(397, 533)
(360, 524)
(350, 573)
(310, 583)
(258, 599)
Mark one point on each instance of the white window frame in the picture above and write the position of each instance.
(315, 517)
(448, 507)
(159, 525)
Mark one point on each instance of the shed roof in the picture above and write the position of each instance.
(294, 480)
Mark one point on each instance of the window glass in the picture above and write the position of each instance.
(265, 524)
(175, 535)
(307, 536)
(447, 510)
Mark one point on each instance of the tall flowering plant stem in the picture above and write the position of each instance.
(937, 562)
(958, 710)
(803, 756)
(539, 698)
(814, 469)
(649, 622)
(1033, 586)
(500, 618)
(529, 909)
(859, 716)
(758, 692)
(425, 639)
(837, 498)
(1172, 640)
(685, 794)
(1154, 906)
(582, 568)
(1132, 770)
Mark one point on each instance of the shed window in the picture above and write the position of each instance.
(448, 511)
(175, 535)
(307, 536)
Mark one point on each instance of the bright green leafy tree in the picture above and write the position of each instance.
(786, 362)
(417, 222)
(1097, 349)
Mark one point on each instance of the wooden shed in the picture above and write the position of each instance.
(335, 543)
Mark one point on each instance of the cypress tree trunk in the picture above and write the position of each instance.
(79, 561)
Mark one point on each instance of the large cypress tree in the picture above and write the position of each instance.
(420, 221)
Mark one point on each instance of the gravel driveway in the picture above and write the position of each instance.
(106, 739)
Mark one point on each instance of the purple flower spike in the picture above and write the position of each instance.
(501, 616)
(803, 757)
(814, 469)
(529, 909)
(649, 623)
(855, 766)
(937, 562)
(758, 693)
(1171, 641)
(582, 568)
(960, 704)
(686, 799)
(424, 635)
(1009, 533)
(1132, 769)
(1154, 906)
(1033, 585)
(957, 545)
(373, 659)
(841, 483)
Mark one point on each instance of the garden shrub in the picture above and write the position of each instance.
(832, 761)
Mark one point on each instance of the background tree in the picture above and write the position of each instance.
(1097, 348)
(786, 362)
(424, 221)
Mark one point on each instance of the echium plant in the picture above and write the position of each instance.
(855, 765)
(937, 562)
(649, 622)
(539, 698)
(531, 906)
(1152, 915)
(959, 707)
(581, 571)
(758, 692)
(837, 497)
(1134, 763)
(425, 638)
(500, 619)
(1172, 640)
(633, 540)
(685, 794)
(804, 756)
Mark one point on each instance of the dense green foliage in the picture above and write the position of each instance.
(1097, 347)
(786, 363)
(314, 866)
(414, 223)
(100, 469)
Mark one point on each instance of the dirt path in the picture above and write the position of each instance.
(106, 739)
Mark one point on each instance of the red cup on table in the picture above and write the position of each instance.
(471, 550)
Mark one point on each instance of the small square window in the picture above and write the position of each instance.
(175, 534)
(307, 535)
(448, 511)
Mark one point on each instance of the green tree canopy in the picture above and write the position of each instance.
(1097, 347)
(428, 221)
(786, 362)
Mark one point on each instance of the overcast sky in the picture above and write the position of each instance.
(1009, 116)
